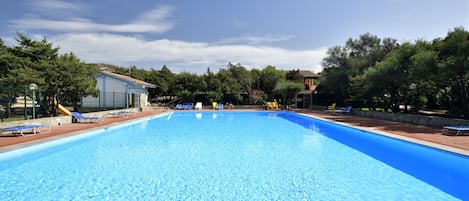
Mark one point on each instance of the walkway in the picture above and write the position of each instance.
(406, 131)
(421, 134)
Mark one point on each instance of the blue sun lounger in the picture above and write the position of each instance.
(345, 110)
(22, 129)
(82, 118)
(455, 130)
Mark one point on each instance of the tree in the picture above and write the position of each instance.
(28, 63)
(335, 78)
(229, 87)
(344, 67)
(269, 77)
(287, 90)
(390, 77)
(423, 65)
(71, 79)
(188, 82)
(243, 77)
(8, 63)
(213, 84)
(168, 78)
(453, 70)
(295, 76)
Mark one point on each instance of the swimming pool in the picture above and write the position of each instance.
(231, 156)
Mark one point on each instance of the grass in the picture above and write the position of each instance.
(15, 118)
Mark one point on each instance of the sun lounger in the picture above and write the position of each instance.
(189, 106)
(455, 130)
(198, 105)
(220, 106)
(27, 128)
(21, 129)
(214, 105)
(341, 111)
(120, 114)
(82, 118)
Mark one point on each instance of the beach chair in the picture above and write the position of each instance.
(272, 105)
(330, 108)
(455, 130)
(214, 105)
(184, 106)
(342, 111)
(220, 106)
(120, 114)
(86, 119)
(275, 105)
(198, 105)
(190, 106)
(22, 129)
(178, 107)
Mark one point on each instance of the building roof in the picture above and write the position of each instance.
(307, 73)
(128, 79)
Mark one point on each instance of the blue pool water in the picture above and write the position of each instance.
(232, 156)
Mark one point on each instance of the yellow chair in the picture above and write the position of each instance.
(268, 105)
(272, 105)
(331, 107)
(214, 105)
(275, 105)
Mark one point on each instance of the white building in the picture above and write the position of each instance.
(118, 91)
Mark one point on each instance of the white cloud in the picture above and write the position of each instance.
(55, 5)
(255, 40)
(152, 21)
(56, 8)
(180, 55)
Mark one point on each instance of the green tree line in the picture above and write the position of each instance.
(228, 84)
(58, 76)
(383, 73)
(65, 78)
(367, 71)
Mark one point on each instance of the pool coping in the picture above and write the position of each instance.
(395, 136)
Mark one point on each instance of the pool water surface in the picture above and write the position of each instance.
(214, 156)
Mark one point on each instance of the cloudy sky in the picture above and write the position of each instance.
(191, 36)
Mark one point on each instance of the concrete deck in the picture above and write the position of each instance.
(420, 134)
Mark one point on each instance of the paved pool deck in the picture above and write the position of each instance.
(420, 134)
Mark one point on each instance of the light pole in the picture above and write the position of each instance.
(412, 87)
(33, 87)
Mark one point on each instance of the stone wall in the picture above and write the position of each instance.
(52, 121)
(432, 121)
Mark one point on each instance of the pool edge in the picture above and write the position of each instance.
(395, 136)
(27, 144)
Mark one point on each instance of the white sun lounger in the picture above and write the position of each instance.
(455, 130)
(22, 129)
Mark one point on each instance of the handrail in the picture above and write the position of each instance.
(170, 102)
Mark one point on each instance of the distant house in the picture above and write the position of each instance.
(309, 78)
(308, 95)
(118, 91)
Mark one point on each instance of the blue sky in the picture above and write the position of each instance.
(194, 35)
